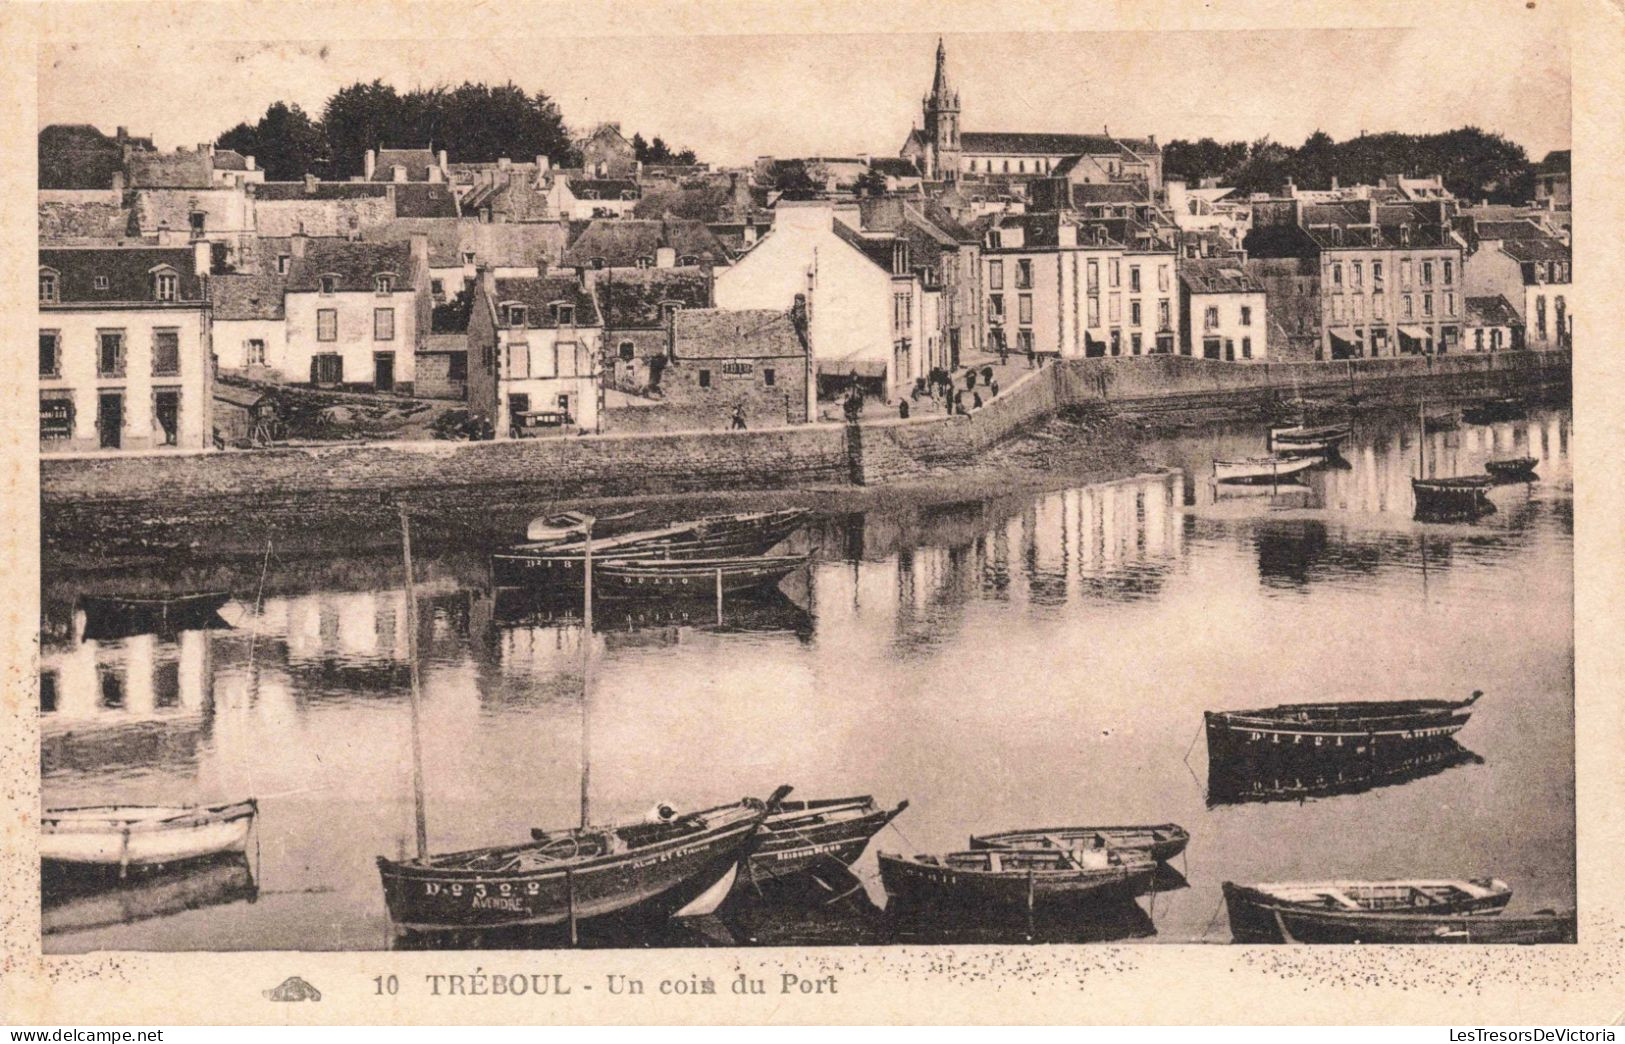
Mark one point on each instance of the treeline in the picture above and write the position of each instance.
(657, 151)
(1474, 163)
(474, 123)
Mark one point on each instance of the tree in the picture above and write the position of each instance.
(359, 117)
(871, 183)
(795, 181)
(640, 149)
(659, 152)
(685, 157)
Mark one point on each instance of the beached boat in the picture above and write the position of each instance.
(689, 577)
(802, 835)
(144, 835)
(574, 875)
(1260, 470)
(1329, 730)
(1424, 911)
(1014, 878)
(133, 614)
(1491, 411)
(1161, 842)
(567, 525)
(1458, 498)
(1301, 439)
(1512, 469)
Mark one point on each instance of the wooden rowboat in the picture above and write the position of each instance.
(1324, 731)
(144, 835)
(1513, 469)
(1298, 439)
(1426, 911)
(1457, 498)
(567, 525)
(679, 577)
(574, 875)
(801, 835)
(1161, 842)
(1260, 470)
(1016, 878)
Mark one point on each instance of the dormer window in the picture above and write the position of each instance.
(329, 284)
(513, 315)
(645, 261)
(597, 263)
(669, 309)
(1404, 235)
(165, 286)
(282, 263)
(468, 258)
(48, 287)
(688, 260)
(383, 283)
(564, 314)
(994, 239)
(899, 258)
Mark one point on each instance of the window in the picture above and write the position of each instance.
(282, 264)
(1246, 347)
(1024, 274)
(1117, 342)
(165, 286)
(254, 352)
(995, 275)
(47, 287)
(1116, 271)
(1376, 272)
(457, 366)
(110, 353)
(197, 220)
(1495, 340)
(1164, 315)
(1212, 347)
(645, 261)
(1357, 274)
(1427, 273)
(1162, 278)
(166, 410)
(1478, 339)
(1114, 309)
(468, 258)
(1134, 278)
(50, 353)
(1450, 304)
(383, 324)
(1134, 313)
(518, 406)
(1378, 305)
(995, 238)
(1135, 342)
(705, 378)
(1337, 273)
(688, 261)
(1246, 315)
(327, 324)
(1094, 277)
(55, 416)
(329, 284)
(1405, 272)
(1357, 307)
(166, 353)
(1024, 341)
(1408, 309)
(100, 282)
(902, 316)
(327, 369)
(563, 403)
(1210, 318)
(1094, 311)
(565, 314)
(1024, 309)
(1540, 317)
(597, 263)
(1427, 304)
(1449, 272)
(627, 351)
(519, 360)
(995, 306)
(383, 284)
(1337, 308)
(769, 377)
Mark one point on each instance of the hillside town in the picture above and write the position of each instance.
(189, 302)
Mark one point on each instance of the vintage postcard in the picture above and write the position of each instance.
(633, 512)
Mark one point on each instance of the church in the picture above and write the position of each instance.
(945, 154)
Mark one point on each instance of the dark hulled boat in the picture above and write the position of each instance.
(570, 876)
(691, 577)
(1161, 842)
(1387, 912)
(1017, 878)
(801, 835)
(1459, 498)
(1360, 729)
(1513, 469)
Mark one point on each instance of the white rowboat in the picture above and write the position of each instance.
(1264, 470)
(144, 835)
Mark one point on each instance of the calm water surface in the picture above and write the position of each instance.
(1028, 661)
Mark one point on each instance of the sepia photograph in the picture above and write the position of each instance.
(946, 486)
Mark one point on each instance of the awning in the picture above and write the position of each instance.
(1345, 336)
(847, 368)
(1419, 333)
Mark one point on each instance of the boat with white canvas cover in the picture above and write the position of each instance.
(144, 835)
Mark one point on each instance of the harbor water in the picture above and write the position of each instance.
(1030, 661)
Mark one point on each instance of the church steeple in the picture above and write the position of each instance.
(939, 85)
(941, 123)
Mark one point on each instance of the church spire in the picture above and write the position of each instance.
(939, 85)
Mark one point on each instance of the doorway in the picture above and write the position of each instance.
(166, 405)
(383, 371)
(110, 419)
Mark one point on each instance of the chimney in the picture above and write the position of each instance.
(200, 257)
(665, 257)
(434, 175)
(296, 243)
(122, 136)
(118, 187)
(420, 252)
(504, 163)
(750, 232)
(445, 165)
(369, 163)
(1334, 182)
(397, 173)
(205, 148)
(310, 184)
(543, 165)
(487, 277)
(248, 161)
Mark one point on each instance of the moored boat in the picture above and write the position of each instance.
(1512, 469)
(1015, 878)
(1298, 439)
(574, 875)
(692, 576)
(1161, 842)
(1423, 911)
(567, 525)
(801, 835)
(1457, 498)
(1328, 730)
(144, 835)
(1260, 470)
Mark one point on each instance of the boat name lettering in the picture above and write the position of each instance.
(663, 857)
(513, 904)
(483, 984)
(504, 888)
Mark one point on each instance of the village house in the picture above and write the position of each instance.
(409, 164)
(1222, 311)
(356, 313)
(637, 305)
(250, 325)
(639, 243)
(947, 255)
(548, 337)
(318, 208)
(754, 360)
(1552, 181)
(458, 248)
(124, 348)
(606, 153)
(458, 356)
(582, 199)
(1493, 325)
(1530, 268)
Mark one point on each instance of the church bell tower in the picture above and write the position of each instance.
(942, 156)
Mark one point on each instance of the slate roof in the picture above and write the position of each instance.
(416, 161)
(1556, 162)
(229, 159)
(354, 263)
(1218, 276)
(65, 222)
(425, 200)
(621, 242)
(170, 170)
(537, 293)
(753, 333)
(78, 156)
(280, 191)
(630, 298)
(1115, 192)
(1543, 248)
(895, 167)
(1492, 311)
(604, 188)
(247, 296)
(128, 271)
(1045, 144)
(1509, 230)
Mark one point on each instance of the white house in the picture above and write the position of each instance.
(549, 341)
(357, 313)
(1222, 313)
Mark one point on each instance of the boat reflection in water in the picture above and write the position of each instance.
(81, 898)
(1236, 780)
(1106, 920)
(764, 612)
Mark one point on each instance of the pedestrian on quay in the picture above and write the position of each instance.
(902, 409)
(970, 378)
(739, 417)
(1004, 349)
(987, 375)
(993, 387)
(976, 400)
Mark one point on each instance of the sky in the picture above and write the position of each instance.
(733, 98)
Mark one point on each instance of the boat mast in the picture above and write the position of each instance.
(412, 661)
(586, 667)
(1422, 440)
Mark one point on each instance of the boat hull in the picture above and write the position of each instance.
(1516, 470)
(1161, 842)
(1257, 918)
(690, 578)
(1299, 440)
(910, 883)
(788, 851)
(121, 837)
(1260, 471)
(1330, 731)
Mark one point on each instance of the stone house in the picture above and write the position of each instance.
(605, 153)
(1493, 325)
(637, 306)
(250, 325)
(356, 313)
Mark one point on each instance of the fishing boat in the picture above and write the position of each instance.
(1491, 411)
(1013, 878)
(144, 835)
(1427, 911)
(1161, 842)
(679, 577)
(143, 613)
(1512, 469)
(1328, 730)
(1301, 439)
(800, 835)
(1458, 498)
(574, 875)
(566, 525)
(1260, 470)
